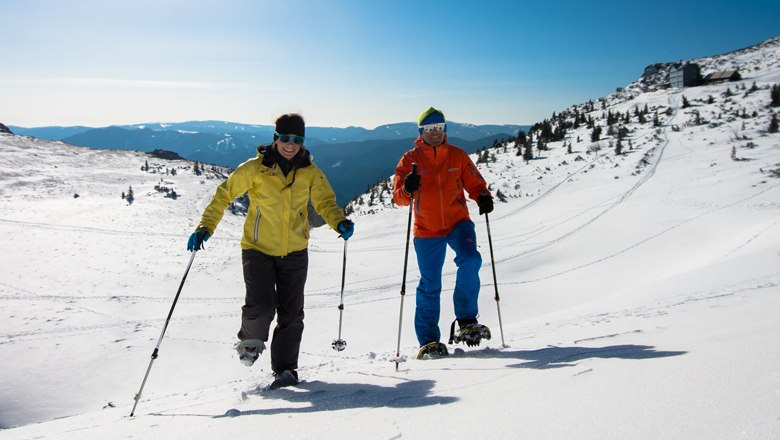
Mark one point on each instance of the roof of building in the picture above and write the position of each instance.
(724, 74)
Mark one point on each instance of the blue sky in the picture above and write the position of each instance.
(344, 62)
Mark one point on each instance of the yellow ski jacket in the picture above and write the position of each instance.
(277, 221)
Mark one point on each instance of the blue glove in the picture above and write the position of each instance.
(346, 228)
(195, 243)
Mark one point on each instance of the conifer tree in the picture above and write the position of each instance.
(773, 124)
(775, 95)
(521, 138)
(529, 154)
(595, 135)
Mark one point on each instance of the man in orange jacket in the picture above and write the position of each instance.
(441, 218)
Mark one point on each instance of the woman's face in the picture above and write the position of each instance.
(289, 149)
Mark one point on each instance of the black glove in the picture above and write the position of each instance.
(411, 182)
(485, 203)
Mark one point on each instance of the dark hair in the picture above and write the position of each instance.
(291, 123)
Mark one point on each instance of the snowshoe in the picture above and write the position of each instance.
(286, 378)
(471, 332)
(249, 351)
(432, 350)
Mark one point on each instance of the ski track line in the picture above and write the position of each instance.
(564, 180)
(136, 233)
(751, 239)
(642, 180)
(104, 230)
(656, 308)
(33, 296)
(118, 298)
(13, 337)
(656, 235)
(625, 196)
(330, 290)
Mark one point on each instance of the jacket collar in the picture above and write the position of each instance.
(271, 156)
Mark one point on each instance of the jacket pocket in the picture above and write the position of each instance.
(257, 224)
(462, 204)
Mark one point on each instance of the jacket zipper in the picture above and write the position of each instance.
(441, 194)
(257, 223)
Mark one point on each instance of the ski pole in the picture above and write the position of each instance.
(495, 282)
(403, 281)
(159, 341)
(340, 344)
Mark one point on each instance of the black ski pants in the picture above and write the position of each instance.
(274, 285)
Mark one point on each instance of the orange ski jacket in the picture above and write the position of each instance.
(445, 172)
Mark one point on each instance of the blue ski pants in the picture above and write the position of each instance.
(430, 259)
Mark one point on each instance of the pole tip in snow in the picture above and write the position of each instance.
(339, 344)
(398, 359)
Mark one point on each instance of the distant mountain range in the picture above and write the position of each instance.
(352, 157)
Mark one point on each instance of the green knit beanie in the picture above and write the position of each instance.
(430, 116)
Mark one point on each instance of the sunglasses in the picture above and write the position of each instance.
(287, 138)
(434, 127)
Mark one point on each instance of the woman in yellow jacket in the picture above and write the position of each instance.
(280, 181)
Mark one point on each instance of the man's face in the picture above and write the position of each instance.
(433, 134)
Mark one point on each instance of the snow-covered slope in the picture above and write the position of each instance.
(639, 296)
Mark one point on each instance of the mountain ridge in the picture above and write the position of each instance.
(229, 144)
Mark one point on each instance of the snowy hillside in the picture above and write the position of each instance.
(639, 293)
(727, 115)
